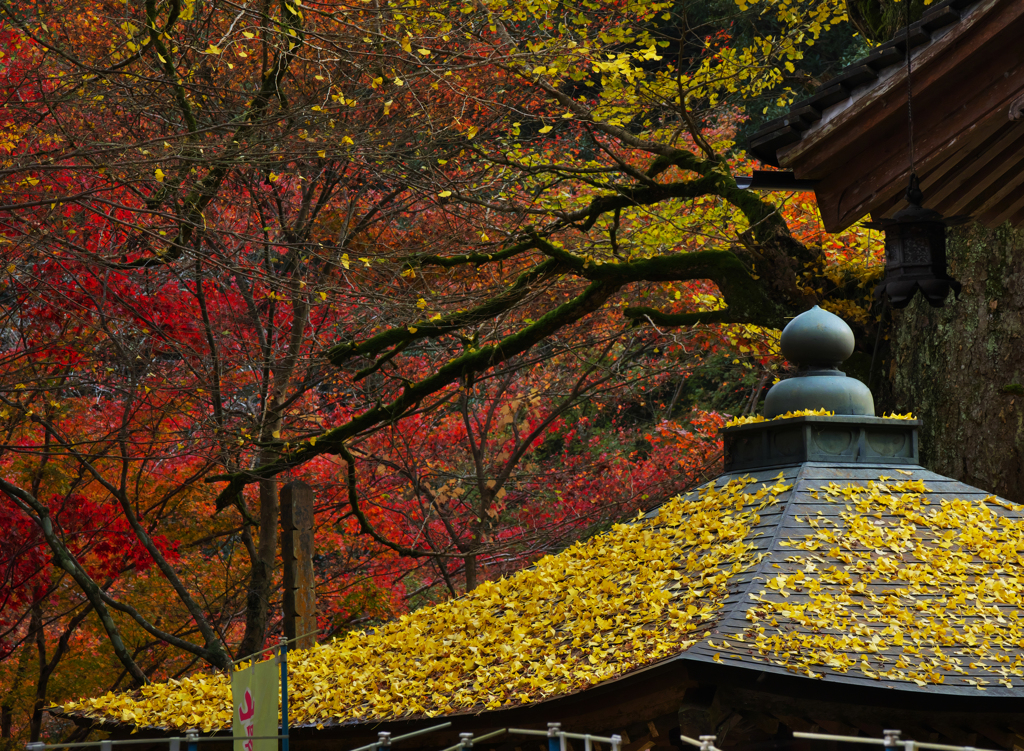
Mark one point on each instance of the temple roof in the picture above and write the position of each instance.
(851, 135)
(861, 574)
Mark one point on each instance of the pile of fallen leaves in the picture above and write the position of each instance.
(803, 413)
(620, 600)
(889, 581)
(797, 413)
(899, 587)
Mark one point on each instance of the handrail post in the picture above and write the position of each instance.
(891, 739)
(192, 739)
(616, 743)
(174, 745)
(555, 740)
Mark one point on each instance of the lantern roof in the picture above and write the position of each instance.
(850, 137)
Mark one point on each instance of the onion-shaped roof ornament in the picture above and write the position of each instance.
(817, 342)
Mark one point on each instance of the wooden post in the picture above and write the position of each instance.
(297, 555)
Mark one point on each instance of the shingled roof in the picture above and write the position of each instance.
(851, 135)
(857, 573)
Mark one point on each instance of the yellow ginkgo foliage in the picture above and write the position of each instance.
(620, 600)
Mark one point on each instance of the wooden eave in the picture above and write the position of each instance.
(967, 78)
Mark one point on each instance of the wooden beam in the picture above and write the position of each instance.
(935, 176)
(1008, 200)
(972, 193)
(851, 131)
(297, 547)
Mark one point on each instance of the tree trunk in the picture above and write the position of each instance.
(961, 368)
(35, 628)
(471, 582)
(13, 694)
(261, 574)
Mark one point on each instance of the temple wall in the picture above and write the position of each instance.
(961, 368)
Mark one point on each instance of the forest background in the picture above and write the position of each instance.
(477, 271)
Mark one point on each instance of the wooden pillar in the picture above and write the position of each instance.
(297, 556)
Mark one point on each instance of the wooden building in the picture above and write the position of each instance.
(967, 82)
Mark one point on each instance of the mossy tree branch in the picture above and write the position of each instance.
(470, 362)
(403, 336)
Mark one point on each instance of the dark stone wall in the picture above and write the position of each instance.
(961, 368)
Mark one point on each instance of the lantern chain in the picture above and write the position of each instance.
(913, 189)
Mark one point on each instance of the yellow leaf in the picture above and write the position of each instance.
(413, 329)
(444, 193)
(471, 133)
(213, 49)
(321, 154)
(159, 175)
(547, 129)
(344, 260)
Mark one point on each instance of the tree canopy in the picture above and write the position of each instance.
(476, 270)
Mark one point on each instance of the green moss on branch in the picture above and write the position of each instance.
(405, 335)
(469, 363)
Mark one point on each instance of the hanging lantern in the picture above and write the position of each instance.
(915, 253)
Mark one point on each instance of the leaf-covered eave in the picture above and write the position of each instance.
(598, 611)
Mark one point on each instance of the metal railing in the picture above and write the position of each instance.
(890, 740)
(558, 740)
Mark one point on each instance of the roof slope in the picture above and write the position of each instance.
(856, 574)
(601, 608)
(885, 575)
(851, 135)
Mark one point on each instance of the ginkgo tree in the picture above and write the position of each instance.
(255, 238)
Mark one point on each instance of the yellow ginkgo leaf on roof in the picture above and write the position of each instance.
(597, 610)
